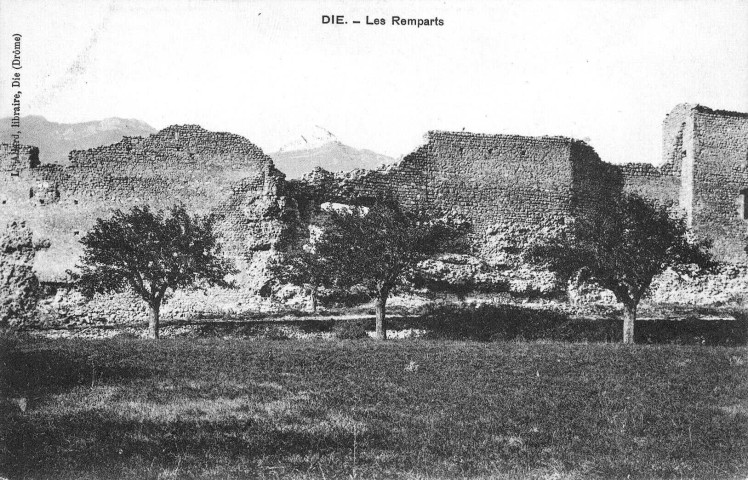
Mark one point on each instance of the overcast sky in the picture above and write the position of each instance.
(607, 71)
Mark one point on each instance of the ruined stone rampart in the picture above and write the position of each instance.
(717, 206)
(16, 159)
(208, 172)
(662, 182)
(592, 179)
(502, 184)
(704, 174)
(492, 181)
(506, 180)
(658, 183)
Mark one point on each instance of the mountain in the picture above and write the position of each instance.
(316, 147)
(56, 140)
(320, 148)
(309, 139)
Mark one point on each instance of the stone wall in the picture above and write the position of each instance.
(720, 180)
(506, 183)
(18, 283)
(704, 173)
(499, 183)
(208, 172)
(658, 183)
(662, 182)
(14, 161)
(592, 179)
(492, 181)
(728, 286)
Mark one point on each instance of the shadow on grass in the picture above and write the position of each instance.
(516, 323)
(48, 369)
(490, 322)
(260, 328)
(100, 444)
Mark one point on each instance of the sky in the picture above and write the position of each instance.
(604, 71)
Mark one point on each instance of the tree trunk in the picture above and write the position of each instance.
(379, 305)
(314, 300)
(629, 317)
(153, 322)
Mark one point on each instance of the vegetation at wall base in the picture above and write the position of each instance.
(216, 408)
(351, 329)
(517, 323)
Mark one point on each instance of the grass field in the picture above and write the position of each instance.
(215, 408)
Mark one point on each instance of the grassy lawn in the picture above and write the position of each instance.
(215, 408)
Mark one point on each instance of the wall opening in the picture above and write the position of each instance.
(34, 158)
(743, 207)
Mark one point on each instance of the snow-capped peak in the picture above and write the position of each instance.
(314, 137)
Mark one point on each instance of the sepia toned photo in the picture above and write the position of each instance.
(371, 240)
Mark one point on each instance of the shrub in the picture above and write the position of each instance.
(494, 322)
(511, 323)
(343, 297)
(276, 332)
(351, 329)
(125, 336)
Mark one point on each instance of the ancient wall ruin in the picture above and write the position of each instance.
(499, 183)
(659, 183)
(664, 182)
(206, 171)
(718, 207)
(704, 173)
(14, 160)
(492, 181)
(18, 284)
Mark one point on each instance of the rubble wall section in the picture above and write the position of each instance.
(493, 181)
(207, 172)
(720, 181)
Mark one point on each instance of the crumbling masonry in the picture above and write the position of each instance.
(494, 181)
